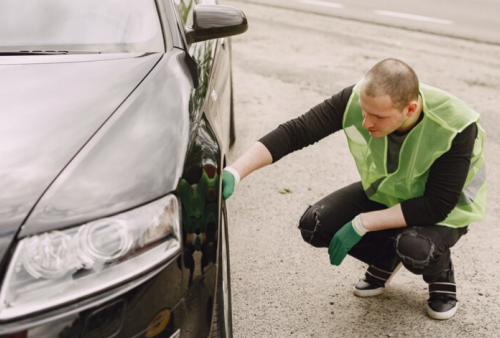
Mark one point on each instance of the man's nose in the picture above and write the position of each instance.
(367, 123)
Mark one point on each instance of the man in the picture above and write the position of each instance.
(419, 152)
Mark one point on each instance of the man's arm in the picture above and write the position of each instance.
(442, 190)
(319, 122)
(384, 219)
(256, 157)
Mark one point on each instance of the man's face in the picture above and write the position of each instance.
(380, 117)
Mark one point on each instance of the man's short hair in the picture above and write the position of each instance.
(394, 78)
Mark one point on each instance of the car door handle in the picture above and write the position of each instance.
(213, 95)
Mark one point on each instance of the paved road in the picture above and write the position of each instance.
(472, 20)
(287, 62)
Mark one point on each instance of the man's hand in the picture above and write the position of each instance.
(227, 184)
(230, 178)
(347, 237)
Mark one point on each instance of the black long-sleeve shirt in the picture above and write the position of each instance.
(446, 177)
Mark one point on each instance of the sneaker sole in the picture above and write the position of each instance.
(378, 291)
(368, 293)
(441, 315)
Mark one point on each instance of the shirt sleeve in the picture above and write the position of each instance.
(445, 183)
(320, 121)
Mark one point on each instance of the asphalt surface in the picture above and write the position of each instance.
(284, 64)
(475, 21)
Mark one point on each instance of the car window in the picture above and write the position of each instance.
(90, 25)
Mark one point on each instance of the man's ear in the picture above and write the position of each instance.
(412, 108)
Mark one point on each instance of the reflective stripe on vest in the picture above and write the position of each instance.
(444, 117)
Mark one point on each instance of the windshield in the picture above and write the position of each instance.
(87, 26)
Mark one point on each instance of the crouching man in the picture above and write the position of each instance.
(419, 152)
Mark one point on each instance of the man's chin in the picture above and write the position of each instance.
(376, 134)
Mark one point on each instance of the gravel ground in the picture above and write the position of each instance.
(284, 64)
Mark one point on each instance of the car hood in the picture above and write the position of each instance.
(136, 157)
(51, 106)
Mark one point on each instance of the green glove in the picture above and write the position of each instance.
(344, 240)
(230, 177)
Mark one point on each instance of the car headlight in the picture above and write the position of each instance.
(60, 266)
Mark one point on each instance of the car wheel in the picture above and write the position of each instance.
(222, 326)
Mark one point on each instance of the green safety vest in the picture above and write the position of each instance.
(444, 117)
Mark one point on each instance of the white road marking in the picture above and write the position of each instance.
(413, 17)
(322, 3)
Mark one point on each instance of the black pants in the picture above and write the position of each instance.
(422, 250)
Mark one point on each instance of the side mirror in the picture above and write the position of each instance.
(215, 21)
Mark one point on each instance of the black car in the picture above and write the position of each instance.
(115, 117)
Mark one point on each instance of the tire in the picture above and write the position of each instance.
(222, 325)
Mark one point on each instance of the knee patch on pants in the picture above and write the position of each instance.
(310, 224)
(414, 250)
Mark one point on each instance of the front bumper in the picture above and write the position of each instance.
(149, 306)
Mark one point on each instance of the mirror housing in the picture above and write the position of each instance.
(215, 21)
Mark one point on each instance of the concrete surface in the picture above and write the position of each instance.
(286, 63)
